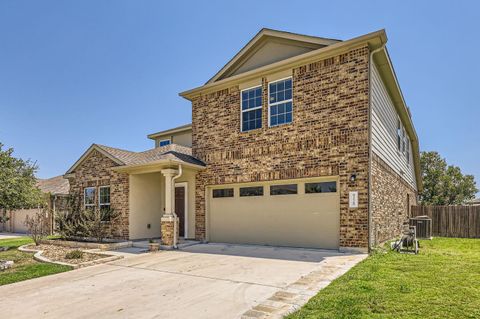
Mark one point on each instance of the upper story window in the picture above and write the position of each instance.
(399, 135)
(407, 151)
(251, 115)
(280, 102)
(403, 141)
(89, 197)
(164, 142)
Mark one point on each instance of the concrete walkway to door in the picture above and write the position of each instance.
(201, 281)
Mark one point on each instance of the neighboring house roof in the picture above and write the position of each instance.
(178, 129)
(57, 185)
(169, 153)
(376, 41)
(475, 201)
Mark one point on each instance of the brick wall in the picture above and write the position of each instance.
(391, 201)
(96, 171)
(328, 136)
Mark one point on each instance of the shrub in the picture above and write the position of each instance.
(85, 223)
(37, 226)
(74, 254)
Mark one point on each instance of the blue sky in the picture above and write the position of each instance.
(77, 72)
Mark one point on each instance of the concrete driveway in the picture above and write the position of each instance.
(201, 281)
(4, 235)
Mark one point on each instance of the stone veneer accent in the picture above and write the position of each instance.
(96, 170)
(390, 202)
(167, 226)
(328, 137)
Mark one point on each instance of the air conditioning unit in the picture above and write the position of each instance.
(423, 226)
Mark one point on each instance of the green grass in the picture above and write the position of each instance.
(25, 267)
(443, 281)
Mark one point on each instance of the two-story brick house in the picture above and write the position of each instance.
(297, 141)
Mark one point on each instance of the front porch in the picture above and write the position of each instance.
(161, 203)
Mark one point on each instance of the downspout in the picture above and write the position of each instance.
(175, 223)
(53, 214)
(370, 145)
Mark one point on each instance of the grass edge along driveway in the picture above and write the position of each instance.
(25, 267)
(443, 281)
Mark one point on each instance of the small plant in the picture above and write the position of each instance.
(74, 254)
(37, 226)
(151, 241)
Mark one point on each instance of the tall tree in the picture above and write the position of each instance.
(17, 183)
(444, 184)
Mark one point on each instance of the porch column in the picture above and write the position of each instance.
(167, 223)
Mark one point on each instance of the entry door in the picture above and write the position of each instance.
(180, 208)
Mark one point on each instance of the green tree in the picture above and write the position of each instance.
(444, 184)
(17, 183)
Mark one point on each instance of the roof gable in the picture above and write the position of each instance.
(90, 150)
(267, 47)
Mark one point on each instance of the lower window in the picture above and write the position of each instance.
(251, 191)
(321, 187)
(289, 189)
(224, 192)
(89, 197)
(104, 202)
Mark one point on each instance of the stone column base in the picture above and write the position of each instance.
(166, 227)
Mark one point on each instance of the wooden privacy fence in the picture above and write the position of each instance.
(452, 221)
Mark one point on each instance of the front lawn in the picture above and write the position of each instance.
(25, 267)
(443, 281)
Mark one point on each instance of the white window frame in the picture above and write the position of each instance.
(407, 150)
(284, 101)
(252, 109)
(85, 197)
(398, 135)
(164, 140)
(103, 204)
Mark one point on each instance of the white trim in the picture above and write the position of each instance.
(100, 204)
(185, 210)
(85, 197)
(255, 108)
(276, 103)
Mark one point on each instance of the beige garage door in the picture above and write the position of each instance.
(303, 213)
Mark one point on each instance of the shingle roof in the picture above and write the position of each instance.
(171, 151)
(177, 129)
(56, 185)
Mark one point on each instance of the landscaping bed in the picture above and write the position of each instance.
(25, 266)
(87, 244)
(442, 281)
(57, 253)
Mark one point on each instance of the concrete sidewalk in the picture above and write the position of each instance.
(201, 281)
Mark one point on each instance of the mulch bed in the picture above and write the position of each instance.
(57, 253)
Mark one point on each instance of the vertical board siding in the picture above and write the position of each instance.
(384, 131)
(452, 221)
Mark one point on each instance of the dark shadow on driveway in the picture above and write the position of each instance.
(260, 251)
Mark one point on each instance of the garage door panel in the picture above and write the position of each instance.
(302, 220)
